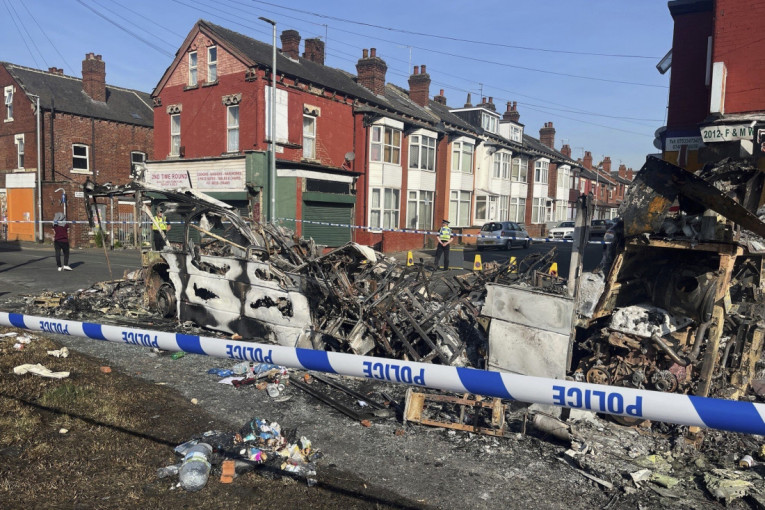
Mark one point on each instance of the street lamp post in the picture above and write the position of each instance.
(272, 123)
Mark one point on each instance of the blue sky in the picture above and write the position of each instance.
(588, 66)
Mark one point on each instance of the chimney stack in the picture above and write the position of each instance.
(94, 77)
(419, 86)
(314, 50)
(371, 71)
(607, 165)
(440, 98)
(489, 105)
(547, 135)
(630, 175)
(587, 161)
(56, 70)
(291, 43)
(468, 103)
(511, 113)
(566, 150)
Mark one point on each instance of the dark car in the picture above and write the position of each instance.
(503, 234)
(598, 228)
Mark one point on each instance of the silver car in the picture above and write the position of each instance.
(503, 234)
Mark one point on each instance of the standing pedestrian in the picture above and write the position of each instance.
(159, 228)
(444, 240)
(61, 240)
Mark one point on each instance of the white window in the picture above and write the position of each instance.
(516, 134)
(503, 209)
(419, 210)
(459, 208)
(422, 152)
(481, 208)
(541, 167)
(19, 151)
(564, 178)
(8, 95)
(309, 137)
(175, 134)
(383, 212)
(462, 157)
(282, 111)
(80, 160)
(520, 170)
(538, 212)
(192, 69)
(232, 128)
(489, 122)
(502, 165)
(386, 144)
(212, 64)
(517, 210)
(561, 210)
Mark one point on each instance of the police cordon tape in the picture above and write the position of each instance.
(374, 230)
(735, 416)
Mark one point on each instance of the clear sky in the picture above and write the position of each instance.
(588, 66)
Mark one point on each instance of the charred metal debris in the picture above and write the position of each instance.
(682, 306)
(255, 280)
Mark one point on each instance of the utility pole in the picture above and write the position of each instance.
(272, 123)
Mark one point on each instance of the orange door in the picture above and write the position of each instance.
(21, 208)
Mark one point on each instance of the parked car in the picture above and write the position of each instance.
(564, 230)
(503, 234)
(598, 228)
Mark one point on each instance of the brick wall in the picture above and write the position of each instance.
(738, 43)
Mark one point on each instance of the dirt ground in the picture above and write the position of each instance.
(124, 425)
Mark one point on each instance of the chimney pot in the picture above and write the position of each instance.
(364, 53)
(423, 68)
(372, 52)
(416, 70)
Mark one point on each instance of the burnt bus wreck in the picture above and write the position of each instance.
(260, 281)
(682, 302)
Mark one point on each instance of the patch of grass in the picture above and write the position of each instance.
(65, 396)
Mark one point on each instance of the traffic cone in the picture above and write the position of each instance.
(513, 266)
(409, 259)
(554, 269)
(477, 266)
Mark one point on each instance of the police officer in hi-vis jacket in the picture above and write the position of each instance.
(444, 240)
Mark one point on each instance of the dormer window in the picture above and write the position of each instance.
(489, 122)
(516, 134)
(212, 64)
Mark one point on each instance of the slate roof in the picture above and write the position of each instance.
(65, 94)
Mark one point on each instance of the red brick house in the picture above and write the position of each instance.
(87, 130)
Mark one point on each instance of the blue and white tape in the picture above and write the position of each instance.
(736, 416)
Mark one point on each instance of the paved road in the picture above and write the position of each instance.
(29, 268)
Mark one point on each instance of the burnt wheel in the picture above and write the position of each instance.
(166, 302)
(598, 375)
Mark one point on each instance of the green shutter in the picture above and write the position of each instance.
(339, 213)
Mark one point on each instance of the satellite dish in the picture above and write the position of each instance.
(350, 156)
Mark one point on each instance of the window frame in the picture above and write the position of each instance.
(459, 152)
(230, 128)
(416, 200)
(19, 150)
(381, 209)
(457, 199)
(175, 148)
(541, 171)
(193, 69)
(85, 158)
(382, 151)
(523, 170)
(8, 94)
(425, 153)
(212, 64)
(309, 136)
(517, 210)
(538, 210)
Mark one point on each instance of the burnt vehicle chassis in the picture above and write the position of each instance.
(260, 281)
(682, 305)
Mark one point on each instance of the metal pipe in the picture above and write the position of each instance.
(669, 351)
(39, 173)
(272, 114)
(701, 332)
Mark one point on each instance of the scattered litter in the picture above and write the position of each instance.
(59, 353)
(40, 370)
(726, 485)
(106, 370)
(63, 431)
(5, 335)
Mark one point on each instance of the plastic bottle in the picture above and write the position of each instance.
(196, 467)
(166, 471)
(178, 354)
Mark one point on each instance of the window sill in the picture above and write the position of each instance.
(80, 171)
(191, 87)
(210, 84)
(8, 120)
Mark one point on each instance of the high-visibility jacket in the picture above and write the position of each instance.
(159, 223)
(445, 234)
